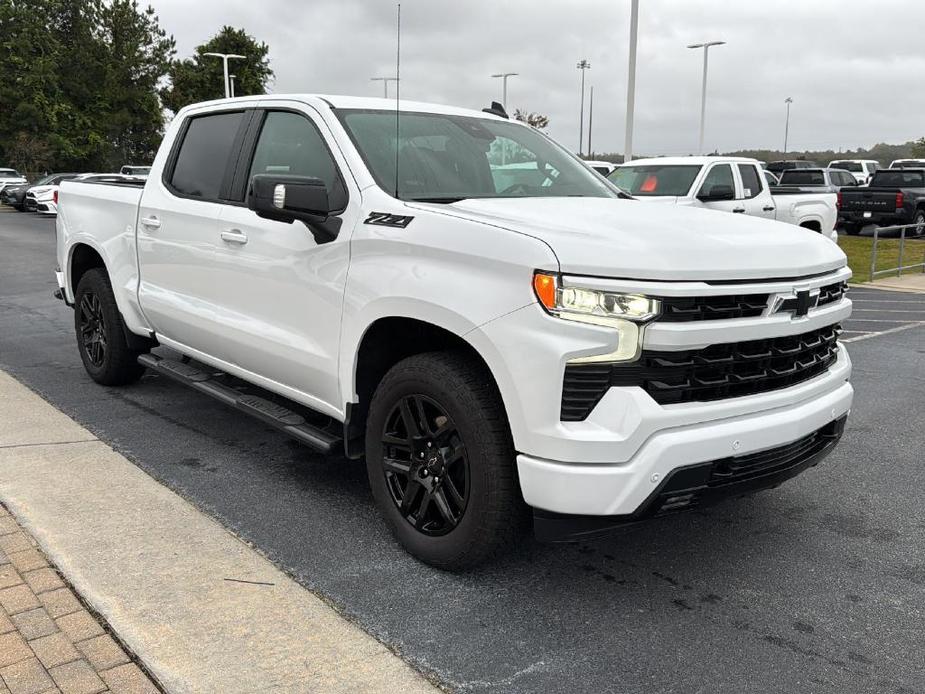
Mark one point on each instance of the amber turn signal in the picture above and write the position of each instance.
(545, 287)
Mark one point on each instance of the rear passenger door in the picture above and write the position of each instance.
(756, 197)
(282, 291)
(178, 230)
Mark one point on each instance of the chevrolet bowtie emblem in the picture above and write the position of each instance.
(800, 304)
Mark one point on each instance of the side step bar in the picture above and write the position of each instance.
(275, 415)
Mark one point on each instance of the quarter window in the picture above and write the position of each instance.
(204, 155)
(751, 182)
(290, 145)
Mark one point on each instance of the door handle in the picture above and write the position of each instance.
(151, 222)
(770, 208)
(739, 210)
(234, 236)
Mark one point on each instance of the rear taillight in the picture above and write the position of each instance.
(55, 197)
(838, 200)
(900, 199)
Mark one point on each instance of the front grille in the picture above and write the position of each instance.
(693, 308)
(831, 293)
(714, 373)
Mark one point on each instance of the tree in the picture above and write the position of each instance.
(201, 77)
(537, 120)
(918, 148)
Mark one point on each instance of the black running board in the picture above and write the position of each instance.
(282, 418)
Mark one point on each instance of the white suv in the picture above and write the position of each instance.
(861, 169)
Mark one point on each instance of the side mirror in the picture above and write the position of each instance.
(287, 198)
(717, 194)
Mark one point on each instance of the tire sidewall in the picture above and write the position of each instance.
(93, 281)
(445, 549)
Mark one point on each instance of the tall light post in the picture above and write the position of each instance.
(787, 101)
(703, 95)
(582, 65)
(231, 77)
(631, 83)
(225, 58)
(385, 83)
(504, 76)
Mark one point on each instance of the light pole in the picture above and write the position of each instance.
(231, 77)
(225, 58)
(590, 119)
(504, 76)
(582, 65)
(385, 83)
(703, 96)
(631, 83)
(787, 101)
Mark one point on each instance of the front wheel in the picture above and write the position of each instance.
(101, 340)
(441, 463)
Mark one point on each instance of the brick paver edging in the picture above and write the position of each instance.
(49, 640)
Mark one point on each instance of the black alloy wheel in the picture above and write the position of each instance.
(91, 326)
(426, 465)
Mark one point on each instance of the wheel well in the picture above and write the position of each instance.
(812, 224)
(387, 342)
(83, 258)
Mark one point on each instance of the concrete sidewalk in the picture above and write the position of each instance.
(201, 610)
(911, 282)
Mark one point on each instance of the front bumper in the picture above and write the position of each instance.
(700, 485)
(628, 489)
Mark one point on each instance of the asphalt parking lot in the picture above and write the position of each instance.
(812, 587)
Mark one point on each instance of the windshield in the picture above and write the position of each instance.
(655, 179)
(802, 177)
(9, 173)
(853, 166)
(900, 163)
(445, 158)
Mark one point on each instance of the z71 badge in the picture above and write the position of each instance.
(384, 219)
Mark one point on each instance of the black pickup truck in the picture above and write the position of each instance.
(894, 196)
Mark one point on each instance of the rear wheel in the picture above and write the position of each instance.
(440, 461)
(852, 229)
(919, 222)
(101, 338)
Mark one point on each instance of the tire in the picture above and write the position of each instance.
(919, 222)
(852, 229)
(465, 507)
(100, 332)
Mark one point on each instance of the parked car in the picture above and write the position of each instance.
(729, 184)
(819, 180)
(907, 164)
(10, 177)
(778, 167)
(15, 196)
(604, 168)
(139, 171)
(861, 169)
(44, 199)
(895, 196)
(552, 344)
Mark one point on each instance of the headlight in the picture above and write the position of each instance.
(625, 313)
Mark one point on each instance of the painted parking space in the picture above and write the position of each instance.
(880, 312)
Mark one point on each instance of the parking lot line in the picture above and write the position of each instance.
(885, 332)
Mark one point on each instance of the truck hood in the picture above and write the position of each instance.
(628, 239)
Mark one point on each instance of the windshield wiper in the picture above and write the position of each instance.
(439, 200)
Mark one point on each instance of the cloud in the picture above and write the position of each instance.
(850, 66)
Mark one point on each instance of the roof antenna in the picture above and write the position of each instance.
(397, 94)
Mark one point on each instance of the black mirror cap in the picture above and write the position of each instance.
(287, 198)
(717, 194)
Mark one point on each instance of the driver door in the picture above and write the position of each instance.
(720, 176)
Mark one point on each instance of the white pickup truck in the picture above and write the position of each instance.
(488, 345)
(728, 184)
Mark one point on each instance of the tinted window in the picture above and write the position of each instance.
(204, 155)
(853, 166)
(655, 179)
(9, 173)
(290, 145)
(899, 178)
(751, 184)
(720, 175)
(796, 177)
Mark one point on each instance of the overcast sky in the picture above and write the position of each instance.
(851, 66)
